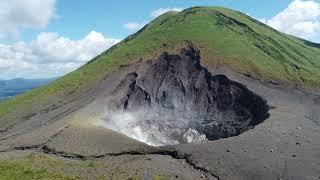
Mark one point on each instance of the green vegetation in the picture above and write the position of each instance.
(158, 177)
(12, 171)
(223, 36)
(39, 166)
(155, 177)
(30, 168)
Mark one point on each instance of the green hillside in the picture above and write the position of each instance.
(223, 36)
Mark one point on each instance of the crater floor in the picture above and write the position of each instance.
(73, 139)
(173, 99)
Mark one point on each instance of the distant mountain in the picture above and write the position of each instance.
(9, 88)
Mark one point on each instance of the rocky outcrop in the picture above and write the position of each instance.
(175, 95)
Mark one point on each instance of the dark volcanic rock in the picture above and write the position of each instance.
(178, 94)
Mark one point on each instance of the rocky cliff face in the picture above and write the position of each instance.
(176, 100)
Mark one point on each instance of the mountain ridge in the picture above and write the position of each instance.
(224, 37)
(186, 82)
(12, 87)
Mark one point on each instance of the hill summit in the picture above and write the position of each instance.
(225, 38)
(234, 99)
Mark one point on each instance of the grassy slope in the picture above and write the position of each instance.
(39, 166)
(34, 167)
(223, 36)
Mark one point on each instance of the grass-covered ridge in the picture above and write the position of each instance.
(41, 166)
(34, 166)
(223, 36)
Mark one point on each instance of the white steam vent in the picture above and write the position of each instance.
(152, 132)
(173, 99)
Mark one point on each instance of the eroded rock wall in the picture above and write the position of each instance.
(175, 95)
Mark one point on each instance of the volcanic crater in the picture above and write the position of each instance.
(173, 99)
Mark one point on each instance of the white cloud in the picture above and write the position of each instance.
(160, 11)
(52, 47)
(19, 14)
(133, 26)
(50, 55)
(301, 18)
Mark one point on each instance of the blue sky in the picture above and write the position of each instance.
(49, 38)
